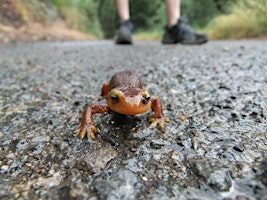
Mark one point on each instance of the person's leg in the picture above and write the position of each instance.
(122, 7)
(125, 31)
(176, 30)
(172, 12)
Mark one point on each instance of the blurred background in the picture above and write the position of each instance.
(34, 20)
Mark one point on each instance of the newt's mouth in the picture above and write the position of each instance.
(130, 105)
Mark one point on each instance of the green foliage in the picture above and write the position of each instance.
(99, 16)
(36, 10)
(146, 14)
(81, 14)
(246, 20)
(200, 12)
(107, 17)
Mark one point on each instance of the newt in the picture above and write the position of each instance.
(125, 95)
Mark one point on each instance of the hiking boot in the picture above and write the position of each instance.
(125, 33)
(182, 33)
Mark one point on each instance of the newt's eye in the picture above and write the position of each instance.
(114, 97)
(146, 97)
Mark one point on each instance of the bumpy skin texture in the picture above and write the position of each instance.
(125, 95)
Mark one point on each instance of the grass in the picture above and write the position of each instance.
(248, 19)
(148, 35)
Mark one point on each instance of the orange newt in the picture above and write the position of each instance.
(125, 95)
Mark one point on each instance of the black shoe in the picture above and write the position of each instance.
(125, 33)
(182, 33)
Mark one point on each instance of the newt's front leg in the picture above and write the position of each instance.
(87, 126)
(158, 118)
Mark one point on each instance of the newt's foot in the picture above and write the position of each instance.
(89, 130)
(158, 121)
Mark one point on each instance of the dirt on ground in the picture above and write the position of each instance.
(57, 31)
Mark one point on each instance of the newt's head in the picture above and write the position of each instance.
(129, 101)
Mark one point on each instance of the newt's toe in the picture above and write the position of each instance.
(158, 121)
(82, 133)
(87, 130)
(93, 132)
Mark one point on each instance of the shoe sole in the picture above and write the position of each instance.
(124, 41)
(124, 37)
(185, 43)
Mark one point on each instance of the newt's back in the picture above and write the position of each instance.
(125, 80)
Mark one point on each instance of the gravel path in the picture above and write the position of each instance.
(215, 146)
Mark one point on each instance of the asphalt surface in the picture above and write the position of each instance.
(215, 146)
